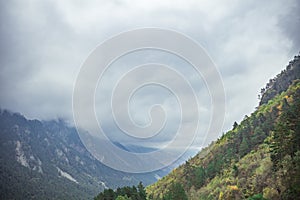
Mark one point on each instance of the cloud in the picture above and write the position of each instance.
(43, 45)
(289, 24)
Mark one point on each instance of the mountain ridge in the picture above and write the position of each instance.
(47, 160)
(251, 160)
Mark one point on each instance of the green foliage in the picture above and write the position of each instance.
(107, 194)
(270, 193)
(285, 146)
(124, 193)
(176, 192)
(141, 191)
(123, 198)
(235, 125)
(258, 159)
(257, 197)
(200, 177)
(244, 147)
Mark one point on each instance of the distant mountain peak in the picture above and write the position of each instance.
(47, 160)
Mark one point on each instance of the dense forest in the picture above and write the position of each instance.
(124, 193)
(139, 193)
(258, 159)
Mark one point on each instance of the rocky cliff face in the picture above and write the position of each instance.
(46, 160)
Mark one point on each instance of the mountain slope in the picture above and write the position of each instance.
(258, 159)
(282, 81)
(46, 160)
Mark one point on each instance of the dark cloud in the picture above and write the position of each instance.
(290, 25)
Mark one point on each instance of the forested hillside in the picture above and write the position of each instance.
(47, 160)
(258, 159)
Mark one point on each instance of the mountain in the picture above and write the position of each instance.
(47, 160)
(134, 148)
(258, 159)
(282, 81)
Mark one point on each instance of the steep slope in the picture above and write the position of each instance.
(46, 160)
(258, 159)
(282, 81)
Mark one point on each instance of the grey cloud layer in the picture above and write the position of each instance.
(44, 43)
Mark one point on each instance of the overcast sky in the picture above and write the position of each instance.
(44, 43)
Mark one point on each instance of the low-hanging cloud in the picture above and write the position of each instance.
(43, 45)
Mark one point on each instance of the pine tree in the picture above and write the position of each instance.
(176, 192)
(142, 191)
